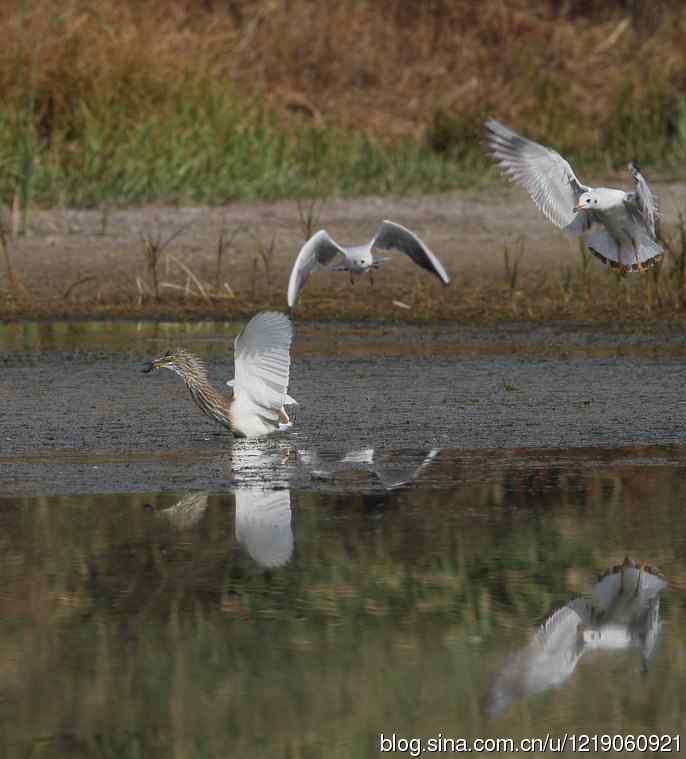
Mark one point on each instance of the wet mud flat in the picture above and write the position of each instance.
(78, 415)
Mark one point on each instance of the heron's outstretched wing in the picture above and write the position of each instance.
(642, 200)
(545, 174)
(262, 364)
(320, 250)
(392, 236)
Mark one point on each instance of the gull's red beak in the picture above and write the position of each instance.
(578, 207)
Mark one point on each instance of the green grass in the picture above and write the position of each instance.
(209, 147)
(202, 144)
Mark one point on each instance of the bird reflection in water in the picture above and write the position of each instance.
(391, 470)
(187, 512)
(623, 612)
(263, 525)
(262, 521)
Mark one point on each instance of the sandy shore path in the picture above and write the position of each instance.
(90, 262)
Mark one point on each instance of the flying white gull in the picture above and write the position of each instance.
(321, 251)
(619, 227)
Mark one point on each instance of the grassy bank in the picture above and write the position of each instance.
(211, 102)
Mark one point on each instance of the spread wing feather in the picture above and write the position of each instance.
(392, 236)
(320, 250)
(641, 202)
(262, 366)
(545, 174)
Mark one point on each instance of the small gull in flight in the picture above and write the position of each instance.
(321, 251)
(619, 227)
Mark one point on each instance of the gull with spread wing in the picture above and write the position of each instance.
(619, 227)
(321, 251)
(262, 366)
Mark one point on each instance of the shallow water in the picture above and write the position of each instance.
(262, 622)
(169, 591)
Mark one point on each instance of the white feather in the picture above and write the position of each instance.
(263, 525)
(262, 366)
(320, 250)
(545, 174)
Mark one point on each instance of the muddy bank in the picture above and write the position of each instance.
(91, 263)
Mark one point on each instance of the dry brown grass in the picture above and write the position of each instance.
(389, 69)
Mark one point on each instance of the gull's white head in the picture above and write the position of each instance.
(360, 257)
(588, 201)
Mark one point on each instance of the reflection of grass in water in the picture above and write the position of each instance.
(388, 619)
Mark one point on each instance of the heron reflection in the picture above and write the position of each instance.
(263, 525)
(623, 612)
(262, 521)
(187, 511)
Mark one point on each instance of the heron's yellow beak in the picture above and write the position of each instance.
(156, 363)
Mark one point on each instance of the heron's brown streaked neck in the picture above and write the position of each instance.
(210, 401)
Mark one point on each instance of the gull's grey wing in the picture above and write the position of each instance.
(548, 661)
(320, 250)
(641, 203)
(392, 236)
(544, 173)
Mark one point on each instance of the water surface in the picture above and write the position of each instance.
(289, 622)
(386, 567)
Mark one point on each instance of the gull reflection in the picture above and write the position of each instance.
(622, 612)
(392, 470)
(263, 525)
(627, 610)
